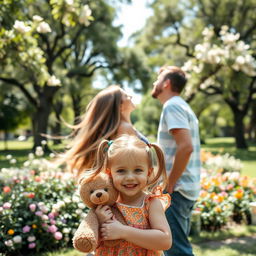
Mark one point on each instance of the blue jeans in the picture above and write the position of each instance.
(178, 216)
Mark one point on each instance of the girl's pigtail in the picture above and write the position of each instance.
(101, 157)
(161, 171)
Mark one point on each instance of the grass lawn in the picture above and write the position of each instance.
(239, 241)
(20, 150)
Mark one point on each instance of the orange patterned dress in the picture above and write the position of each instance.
(137, 217)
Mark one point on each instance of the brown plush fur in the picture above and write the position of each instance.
(95, 191)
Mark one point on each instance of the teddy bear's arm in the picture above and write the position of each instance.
(86, 236)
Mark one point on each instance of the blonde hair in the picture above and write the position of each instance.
(101, 121)
(129, 145)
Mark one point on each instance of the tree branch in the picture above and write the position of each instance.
(21, 87)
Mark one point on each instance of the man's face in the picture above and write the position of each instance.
(158, 85)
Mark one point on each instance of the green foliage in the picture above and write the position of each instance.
(39, 209)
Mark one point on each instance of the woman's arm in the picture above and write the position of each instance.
(156, 238)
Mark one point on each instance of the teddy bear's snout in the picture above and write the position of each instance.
(99, 194)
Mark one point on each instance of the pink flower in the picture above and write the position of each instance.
(51, 215)
(7, 205)
(53, 222)
(32, 245)
(58, 235)
(32, 207)
(26, 229)
(52, 229)
(38, 213)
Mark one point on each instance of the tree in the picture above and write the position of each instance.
(173, 35)
(39, 53)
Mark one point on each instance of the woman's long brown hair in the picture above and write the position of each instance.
(101, 121)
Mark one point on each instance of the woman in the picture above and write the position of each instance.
(106, 117)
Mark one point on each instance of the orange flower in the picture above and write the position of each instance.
(218, 198)
(11, 232)
(37, 178)
(34, 226)
(6, 189)
(206, 185)
(31, 195)
(239, 193)
(244, 181)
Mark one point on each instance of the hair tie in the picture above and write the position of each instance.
(109, 144)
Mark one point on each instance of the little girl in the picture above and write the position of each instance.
(129, 162)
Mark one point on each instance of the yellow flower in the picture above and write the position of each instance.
(218, 209)
(34, 226)
(11, 232)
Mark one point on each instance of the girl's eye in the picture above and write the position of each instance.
(120, 171)
(138, 170)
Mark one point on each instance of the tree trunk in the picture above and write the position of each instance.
(239, 129)
(56, 129)
(41, 116)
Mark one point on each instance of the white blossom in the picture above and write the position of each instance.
(8, 243)
(31, 238)
(37, 18)
(43, 27)
(21, 27)
(53, 81)
(84, 15)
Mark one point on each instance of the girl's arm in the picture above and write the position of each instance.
(156, 238)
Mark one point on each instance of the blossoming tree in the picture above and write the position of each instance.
(51, 41)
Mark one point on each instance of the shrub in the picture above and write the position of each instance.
(39, 208)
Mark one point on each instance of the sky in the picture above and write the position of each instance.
(132, 17)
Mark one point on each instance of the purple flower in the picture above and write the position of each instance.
(26, 229)
(58, 235)
(52, 229)
(32, 245)
(38, 213)
(51, 215)
(32, 207)
(7, 205)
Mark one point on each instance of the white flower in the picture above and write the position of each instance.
(17, 239)
(43, 27)
(31, 238)
(66, 230)
(81, 206)
(31, 156)
(37, 18)
(9, 157)
(8, 243)
(53, 81)
(240, 60)
(13, 161)
(69, 2)
(52, 155)
(39, 151)
(43, 142)
(78, 211)
(224, 30)
(208, 33)
(21, 27)
(84, 15)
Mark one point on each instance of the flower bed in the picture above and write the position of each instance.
(39, 208)
(224, 195)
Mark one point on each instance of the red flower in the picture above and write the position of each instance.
(31, 195)
(6, 189)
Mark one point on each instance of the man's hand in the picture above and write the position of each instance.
(103, 213)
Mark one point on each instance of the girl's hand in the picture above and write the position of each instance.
(112, 230)
(103, 213)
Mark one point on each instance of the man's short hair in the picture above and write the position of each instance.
(176, 76)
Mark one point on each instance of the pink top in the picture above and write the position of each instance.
(137, 217)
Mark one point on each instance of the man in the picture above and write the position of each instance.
(178, 135)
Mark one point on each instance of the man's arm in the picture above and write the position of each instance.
(183, 140)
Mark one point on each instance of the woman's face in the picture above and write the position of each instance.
(127, 106)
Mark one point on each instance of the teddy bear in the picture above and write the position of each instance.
(98, 190)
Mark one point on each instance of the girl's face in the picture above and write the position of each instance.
(130, 174)
(127, 104)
